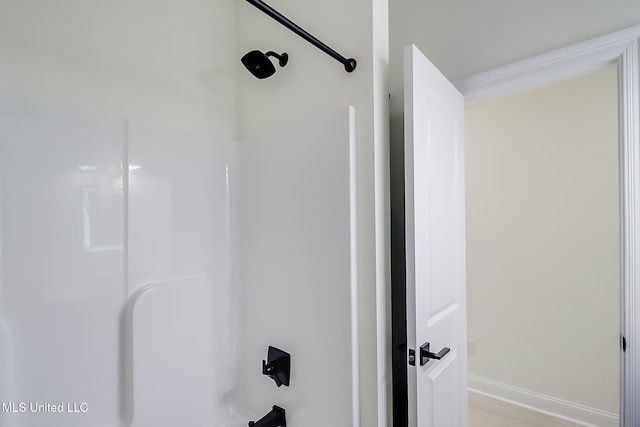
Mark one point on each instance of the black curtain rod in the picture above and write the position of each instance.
(349, 64)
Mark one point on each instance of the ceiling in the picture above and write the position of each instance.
(465, 37)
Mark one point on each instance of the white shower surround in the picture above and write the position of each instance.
(160, 312)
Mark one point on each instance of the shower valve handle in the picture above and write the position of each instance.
(277, 366)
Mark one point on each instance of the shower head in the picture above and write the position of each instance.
(260, 65)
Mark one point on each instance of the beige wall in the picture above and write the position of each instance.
(542, 240)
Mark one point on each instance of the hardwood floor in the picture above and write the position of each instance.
(488, 412)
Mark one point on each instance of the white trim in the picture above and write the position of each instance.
(573, 412)
(353, 229)
(628, 87)
(547, 68)
(622, 48)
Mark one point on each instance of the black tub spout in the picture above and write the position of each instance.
(275, 418)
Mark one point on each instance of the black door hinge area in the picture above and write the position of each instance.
(623, 342)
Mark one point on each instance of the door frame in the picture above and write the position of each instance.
(621, 48)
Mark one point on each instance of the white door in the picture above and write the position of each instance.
(435, 246)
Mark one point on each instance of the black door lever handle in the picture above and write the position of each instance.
(425, 354)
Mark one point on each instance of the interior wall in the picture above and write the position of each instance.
(151, 60)
(310, 85)
(542, 241)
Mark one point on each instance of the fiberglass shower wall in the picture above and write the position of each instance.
(297, 270)
(115, 291)
(119, 303)
(116, 297)
(147, 260)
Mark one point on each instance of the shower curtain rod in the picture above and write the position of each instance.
(349, 63)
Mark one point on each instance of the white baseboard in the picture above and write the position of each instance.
(570, 411)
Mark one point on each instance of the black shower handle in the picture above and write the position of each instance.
(277, 366)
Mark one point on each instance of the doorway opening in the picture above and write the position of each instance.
(622, 49)
(543, 254)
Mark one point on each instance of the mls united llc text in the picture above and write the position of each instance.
(41, 408)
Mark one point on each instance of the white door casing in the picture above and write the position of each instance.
(435, 245)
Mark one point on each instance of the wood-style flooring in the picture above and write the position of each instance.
(488, 412)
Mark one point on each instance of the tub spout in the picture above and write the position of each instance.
(275, 418)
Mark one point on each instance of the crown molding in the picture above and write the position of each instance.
(548, 68)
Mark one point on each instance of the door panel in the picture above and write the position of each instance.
(435, 250)
(446, 389)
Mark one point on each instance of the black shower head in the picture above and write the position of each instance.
(260, 65)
